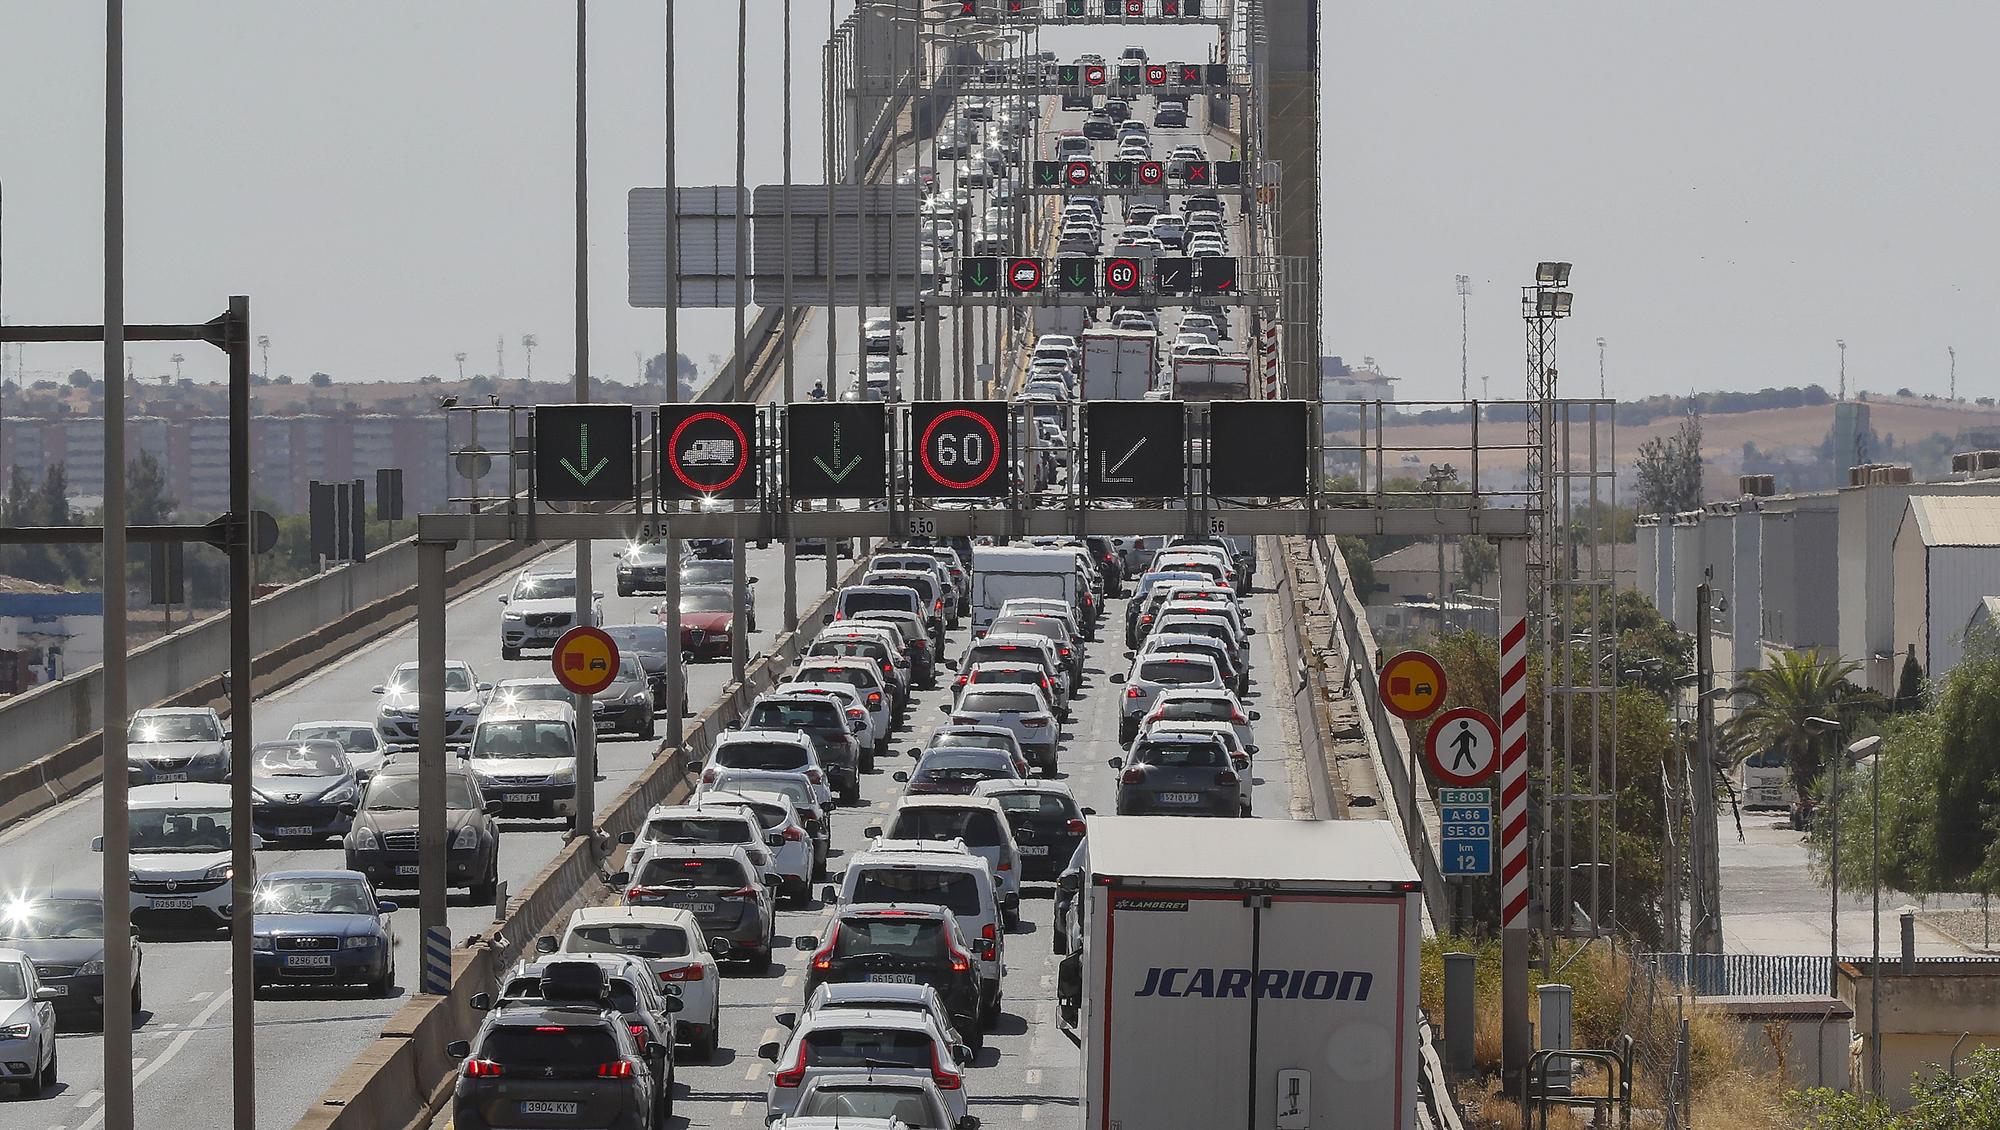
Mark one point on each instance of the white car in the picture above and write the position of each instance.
(1205, 706)
(977, 820)
(1017, 706)
(859, 1100)
(361, 741)
(780, 829)
(669, 940)
(837, 1040)
(779, 751)
(27, 1027)
(523, 754)
(180, 853)
(541, 607)
(812, 812)
(464, 698)
(170, 744)
(1153, 674)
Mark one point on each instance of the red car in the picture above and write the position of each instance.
(707, 624)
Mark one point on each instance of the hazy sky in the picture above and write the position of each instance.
(1737, 184)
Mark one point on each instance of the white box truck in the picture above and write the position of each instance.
(1119, 364)
(1212, 378)
(1246, 973)
(1002, 572)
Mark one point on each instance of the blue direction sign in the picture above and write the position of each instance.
(1465, 818)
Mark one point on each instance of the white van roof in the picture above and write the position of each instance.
(181, 794)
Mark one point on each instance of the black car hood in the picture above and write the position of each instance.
(405, 820)
(58, 951)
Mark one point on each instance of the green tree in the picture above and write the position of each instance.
(321, 380)
(1910, 686)
(1967, 1098)
(1477, 560)
(1968, 788)
(1799, 684)
(1669, 470)
(1360, 566)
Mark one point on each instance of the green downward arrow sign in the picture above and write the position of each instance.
(1079, 275)
(583, 457)
(840, 475)
(977, 276)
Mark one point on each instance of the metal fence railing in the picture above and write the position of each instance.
(1744, 974)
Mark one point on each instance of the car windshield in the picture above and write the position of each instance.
(1002, 653)
(1197, 710)
(174, 728)
(1170, 671)
(636, 938)
(956, 891)
(180, 829)
(761, 755)
(867, 1047)
(457, 680)
(976, 826)
(1181, 755)
(971, 739)
(853, 677)
(543, 586)
(909, 1107)
(389, 794)
(705, 871)
(903, 936)
(549, 1045)
(521, 738)
(794, 715)
(707, 573)
(1052, 806)
(289, 895)
(298, 759)
(704, 600)
(54, 918)
(997, 702)
(547, 690)
(716, 829)
(864, 649)
(353, 739)
(13, 982)
(619, 993)
(638, 637)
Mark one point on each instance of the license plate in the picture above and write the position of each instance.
(173, 904)
(169, 778)
(606, 727)
(698, 907)
(1180, 798)
(892, 978)
(296, 830)
(1034, 849)
(406, 869)
(546, 1106)
(308, 960)
(519, 798)
(55, 990)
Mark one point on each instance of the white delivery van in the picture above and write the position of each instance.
(1280, 955)
(1118, 364)
(1000, 573)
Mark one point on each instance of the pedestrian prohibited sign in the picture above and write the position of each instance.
(1464, 747)
(708, 450)
(960, 449)
(1412, 685)
(585, 659)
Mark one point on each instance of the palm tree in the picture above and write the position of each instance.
(1798, 685)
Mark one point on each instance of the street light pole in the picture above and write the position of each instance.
(586, 737)
(1829, 726)
(1872, 747)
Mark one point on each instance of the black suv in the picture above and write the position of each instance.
(571, 1064)
(919, 943)
(841, 754)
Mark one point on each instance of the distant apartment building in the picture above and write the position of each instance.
(286, 453)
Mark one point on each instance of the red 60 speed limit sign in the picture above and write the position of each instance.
(960, 449)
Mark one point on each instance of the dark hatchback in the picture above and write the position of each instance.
(884, 943)
(567, 1065)
(841, 753)
(62, 933)
(1046, 821)
(302, 789)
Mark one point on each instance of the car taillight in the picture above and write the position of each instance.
(839, 615)
(937, 604)
(815, 776)
(888, 668)
(744, 893)
(638, 1030)
(695, 972)
(945, 1080)
(1226, 777)
(991, 952)
(987, 932)
(1131, 692)
(1236, 716)
(874, 698)
(481, 1068)
(794, 834)
(963, 720)
(1133, 776)
(708, 776)
(1146, 619)
(795, 1074)
(1075, 827)
(961, 962)
(616, 1069)
(1035, 722)
(640, 892)
(1065, 652)
(963, 679)
(823, 957)
(920, 645)
(856, 712)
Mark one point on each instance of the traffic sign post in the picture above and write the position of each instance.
(1134, 448)
(1463, 748)
(837, 450)
(707, 451)
(959, 449)
(583, 453)
(1412, 685)
(1259, 448)
(1465, 841)
(585, 660)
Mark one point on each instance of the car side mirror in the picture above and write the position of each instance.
(944, 708)
(969, 1122)
(378, 689)
(1254, 715)
(386, 907)
(1117, 679)
(615, 878)
(256, 842)
(872, 831)
(1088, 811)
(628, 837)
(97, 843)
(751, 581)
(545, 944)
(459, 1049)
(719, 947)
(807, 942)
(913, 752)
(1116, 763)
(826, 619)
(618, 553)
(828, 894)
(51, 992)
(491, 808)
(346, 808)
(775, 839)
(1249, 631)
(484, 687)
(462, 753)
(787, 1019)
(900, 777)
(597, 596)
(502, 598)
(962, 1054)
(768, 1052)
(481, 1002)
(671, 1002)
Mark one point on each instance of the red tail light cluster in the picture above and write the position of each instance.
(945, 1080)
(961, 962)
(1226, 777)
(481, 1068)
(744, 893)
(1131, 692)
(695, 972)
(1133, 776)
(618, 1068)
(795, 1074)
(987, 932)
(823, 957)
(1036, 723)
(1075, 827)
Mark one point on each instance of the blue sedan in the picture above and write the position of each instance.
(323, 927)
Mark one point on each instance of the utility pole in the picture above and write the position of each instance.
(1705, 913)
(739, 634)
(586, 743)
(528, 344)
(117, 821)
(1600, 368)
(676, 670)
(264, 347)
(500, 357)
(458, 357)
(1841, 344)
(1952, 352)
(1464, 335)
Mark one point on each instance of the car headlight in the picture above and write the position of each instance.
(92, 968)
(512, 617)
(366, 941)
(220, 871)
(562, 775)
(14, 1032)
(260, 942)
(466, 840)
(364, 839)
(259, 796)
(343, 794)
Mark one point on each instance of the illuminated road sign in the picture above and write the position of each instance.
(1118, 172)
(959, 449)
(1156, 75)
(1093, 74)
(1216, 274)
(1172, 274)
(583, 452)
(1152, 173)
(1135, 449)
(1076, 274)
(707, 451)
(836, 450)
(1122, 275)
(979, 273)
(1024, 276)
(1195, 173)
(1077, 173)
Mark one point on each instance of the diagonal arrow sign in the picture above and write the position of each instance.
(583, 456)
(1110, 474)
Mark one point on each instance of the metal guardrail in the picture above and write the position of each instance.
(1436, 1109)
(1743, 974)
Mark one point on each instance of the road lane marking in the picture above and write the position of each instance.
(1029, 1112)
(791, 980)
(1032, 1076)
(180, 1041)
(199, 997)
(751, 1075)
(737, 1107)
(89, 1098)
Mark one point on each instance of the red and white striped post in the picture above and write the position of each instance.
(1269, 347)
(1516, 1038)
